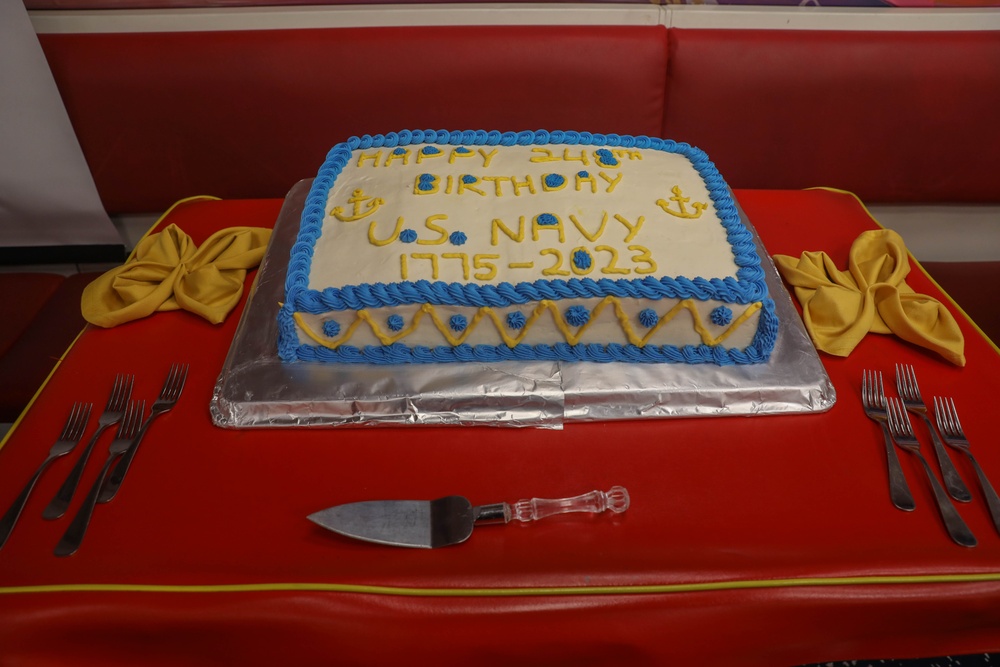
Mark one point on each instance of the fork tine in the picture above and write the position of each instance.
(899, 421)
(181, 379)
(954, 414)
(71, 421)
(137, 415)
(165, 389)
(865, 390)
(941, 417)
(945, 417)
(891, 414)
(125, 425)
(907, 378)
(881, 391)
(135, 419)
(81, 415)
(114, 392)
(126, 392)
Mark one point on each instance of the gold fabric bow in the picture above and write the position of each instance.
(840, 307)
(167, 272)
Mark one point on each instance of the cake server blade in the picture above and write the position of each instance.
(429, 524)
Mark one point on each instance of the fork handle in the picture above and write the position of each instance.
(60, 502)
(10, 518)
(899, 490)
(952, 481)
(117, 476)
(953, 522)
(73, 536)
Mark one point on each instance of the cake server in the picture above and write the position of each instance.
(429, 524)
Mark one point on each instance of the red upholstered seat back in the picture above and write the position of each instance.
(247, 114)
(889, 116)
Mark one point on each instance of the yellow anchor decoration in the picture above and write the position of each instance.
(360, 201)
(681, 200)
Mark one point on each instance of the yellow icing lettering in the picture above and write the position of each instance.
(463, 258)
(605, 158)
(546, 155)
(481, 261)
(381, 242)
(460, 152)
(612, 267)
(398, 154)
(527, 183)
(404, 272)
(469, 183)
(442, 232)
(632, 229)
(612, 182)
(553, 182)
(547, 222)
(643, 256)
(590, 237)
(556, 268)
(582, 262)
(542, 155)
(499, 226)
(372, 157)
(496, 180)
(448, 185)
(584, 177)
(433, 259)
(521, 265)
(426, 184)
(427, 153)
(487, 157)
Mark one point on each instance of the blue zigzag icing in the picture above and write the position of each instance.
(748, 286)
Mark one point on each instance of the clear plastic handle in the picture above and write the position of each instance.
(615, 499)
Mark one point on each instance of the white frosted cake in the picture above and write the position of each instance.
(424, 247)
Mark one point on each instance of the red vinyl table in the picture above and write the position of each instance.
(765, 540)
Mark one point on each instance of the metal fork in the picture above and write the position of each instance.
(873, 401)
(909, 391)
(902, 433)
(113, 412)
(173, 385)
(946, 417)
(127, 429)
(76, 423)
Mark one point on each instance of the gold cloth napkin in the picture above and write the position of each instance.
(167, 272)
(840, 307)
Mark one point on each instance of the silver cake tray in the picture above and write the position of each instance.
(256, 389)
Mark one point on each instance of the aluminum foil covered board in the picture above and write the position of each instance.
(255, 389)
